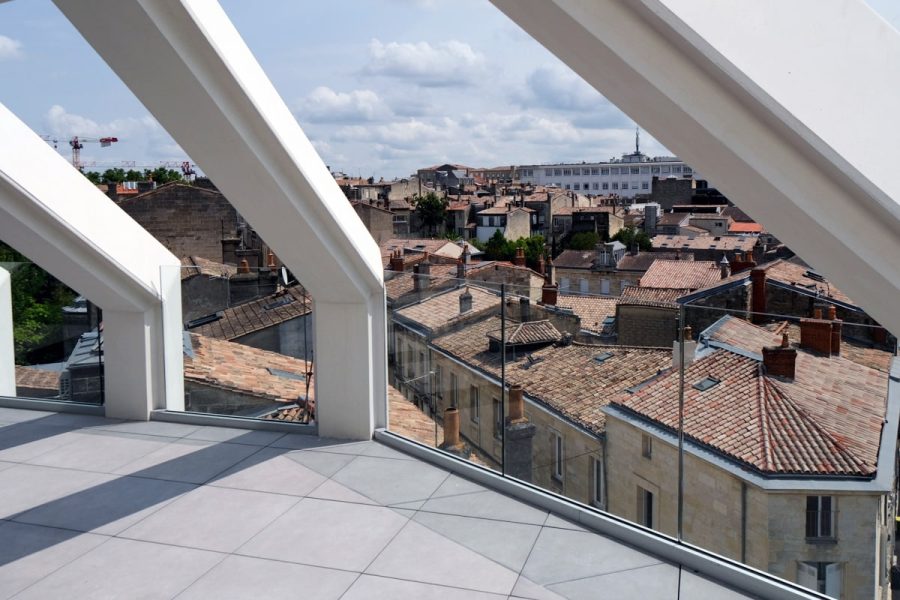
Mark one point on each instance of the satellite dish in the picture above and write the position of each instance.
(284, 275)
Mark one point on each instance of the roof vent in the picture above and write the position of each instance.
(203, 320)
(278, 303)
(813, 275)
(706, 383)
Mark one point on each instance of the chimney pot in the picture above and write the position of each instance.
(832, 312)
(516, 408)
(271, 260)
(549, 294)
(758, 294)
(465, 302)
(244, 267)
(817, 313)
(451, 429)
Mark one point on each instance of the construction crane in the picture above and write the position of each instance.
(77, 142)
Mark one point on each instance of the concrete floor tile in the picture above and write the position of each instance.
(505, 543)
(235, 436)
(526, 589)
(189, 461)
(21, 415)
(390, 481)
(21, 442)
(24, 487)
(323, 463)
(560, 523)
(29, 553)
(332, 490)
(699, 587)
(241, 577)
(586, 555)
(102, 451)
(659, 582)
(108, 507)
(368, 587)
(456, 485)
(420, 554)
(270, 471)
(327, 534)
(163, 428)
(211, 518)
(125, 569)
(488, 505)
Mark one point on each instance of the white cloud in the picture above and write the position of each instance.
(140, 138)
(10, 48)
(324, 105)
(443, 64)
(559, 89)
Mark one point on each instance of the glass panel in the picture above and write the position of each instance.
(57, 339)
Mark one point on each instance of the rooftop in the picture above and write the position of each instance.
(681, 274)
(442, 309)
(705, 242)
(243, 319)
(100, 508)
(197, 265)
(592, 310)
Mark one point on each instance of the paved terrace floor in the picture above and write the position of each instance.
(94, 508)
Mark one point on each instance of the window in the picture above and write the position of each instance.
(567, 171)
(564, 284)
(676, 169)
(604, 171)
(595, 171)
(557, 172)
(820, 576)
(596, 185)
(615, 185)
(645, 170)
(645, 185)
(548, 172)
(577, 186)
(597, 481)
(606, 185)
(410, 368)
(568, 187)
(604, 286)
(624, 185)
(474, 408)
(635, 170)
(646, 445)
(654, 170)
(454, 391)
(644, 507)
(587, 186)
(615, 170)
(688, 171)
(576, 171)
(497, 417)
(666, 169)
(634, 185)
(820, 517)
(421, 372)
(583, 286)
(558, 456)
(438, 373)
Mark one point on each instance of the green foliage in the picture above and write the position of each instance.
(94, 177)
(499, 248)
(629, 236)
(37, 301)
(162, 175)
(113, 176)
(431, 209)
(586, 240)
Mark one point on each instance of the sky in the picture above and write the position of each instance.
(381, 88)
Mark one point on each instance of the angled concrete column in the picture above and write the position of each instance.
(7, 349)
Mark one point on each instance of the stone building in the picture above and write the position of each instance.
(606, 270)
(379, 221)
(710, 247)
(789, 456)
(512, 222)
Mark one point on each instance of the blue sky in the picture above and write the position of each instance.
(381, 88)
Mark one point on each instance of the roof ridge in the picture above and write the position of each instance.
(763, 408)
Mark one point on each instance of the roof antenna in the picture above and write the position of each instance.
(637, 140)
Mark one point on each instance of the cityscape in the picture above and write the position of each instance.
(604, 357)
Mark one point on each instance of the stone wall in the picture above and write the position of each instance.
(638, 325)
(617, 281)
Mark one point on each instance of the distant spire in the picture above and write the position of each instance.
(637, 140)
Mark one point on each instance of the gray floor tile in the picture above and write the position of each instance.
(190, 461)
(487, 505)
(391, 481)
(24, 487)
(21, 442)
(21, 415)
(6, 465)
(125, 569)
(419, 554)
(29, 553)
(301, 441)
(109, 507)
(323, 463)
(270, 471)
(332, 490)
(505, 543)
(560, 523)
(101, 451)
(235, 436)
(414, 505)
(211, 518)
(382, 588)
(241, 577)
(327, 534)
(163, 428)
(659, 582)
(529, 590)
(586, 555)
(379, 450)
(697, 587)
(455, 486)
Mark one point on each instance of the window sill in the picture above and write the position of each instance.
(822, 541)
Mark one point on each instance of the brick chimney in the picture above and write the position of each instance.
(270, 260)
(460, 268)
(519, 437)
(465, 302)
(837, 326)
(758, 294)
(549, 293)
(541, 265)
(780, 360)
(244, 266)
(451, 430)
(815, 334)
(397, 261)
(519, 259)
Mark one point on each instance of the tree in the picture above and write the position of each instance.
(586, 240)
(499, 248)
(114, 176)
(431, 209)
(93, 177)
(133, 175)
(162, 175)
(630, 236)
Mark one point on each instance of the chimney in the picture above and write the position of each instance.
(548, 196)
(422, 276)
(837, 326)
(244, 266)
(397, 261)
(758, 294)
(541, 266)
(270, 260)
(519, 259)
(524, 309)
(467, 258)
(815, 334)
(690, 348)
(780, 360)
(724, 267)
(460, 268)
(465, 302)
(549, 294)
(519, 437)
(451, 430)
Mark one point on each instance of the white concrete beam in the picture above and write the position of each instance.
(787, 107)
(188, 65)
(51, 213)
(7, 346)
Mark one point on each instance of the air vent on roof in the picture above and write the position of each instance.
(203, 320)
(706, 383)
(281, 302)
(813, 275)
(286, 374)
(601, 358)
(609, 321)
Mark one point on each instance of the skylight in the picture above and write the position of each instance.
(601, 358)
(286, 374)
(278, 303)
(706, 383)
